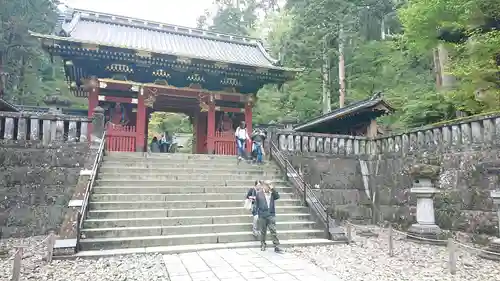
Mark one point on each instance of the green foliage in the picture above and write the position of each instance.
(402, 66)
(29, 75)
(161, 122)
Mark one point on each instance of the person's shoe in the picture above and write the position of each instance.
(263, 247)
(278, 250)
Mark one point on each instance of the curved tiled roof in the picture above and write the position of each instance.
(128, 33)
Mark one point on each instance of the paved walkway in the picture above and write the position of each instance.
(242, 265)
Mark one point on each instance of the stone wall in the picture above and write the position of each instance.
(459, 148)
(41, 157)
(333, 163)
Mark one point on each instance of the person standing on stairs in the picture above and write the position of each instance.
(265, 201)
(251, 194)
(242, 137)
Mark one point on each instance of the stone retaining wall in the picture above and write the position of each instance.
(333, 163)
(41, 157)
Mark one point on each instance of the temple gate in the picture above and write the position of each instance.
(132, 67)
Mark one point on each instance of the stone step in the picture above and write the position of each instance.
(173, 221)
(176, 197)
(140, 189)
(162, 170)
(223, 161)
(169, 176)
(201, 247)
(120, 205)
(158, 230)
(171, 156)
(159, 213)
(189, 239)
(184, 183)
(156, 163)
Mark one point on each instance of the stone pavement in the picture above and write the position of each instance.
(242, 265)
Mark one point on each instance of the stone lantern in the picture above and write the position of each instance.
(492, 170)
(424, 178)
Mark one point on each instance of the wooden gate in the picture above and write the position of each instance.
(225, 143)
(120, 138)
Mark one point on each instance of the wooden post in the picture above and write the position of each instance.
(391, 241)
(16, 268)
(452, 260)
(211, 127)
(141, 122)
(349, 232)
(51, 241)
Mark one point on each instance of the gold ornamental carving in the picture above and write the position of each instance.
(204, 106)
(150, 99)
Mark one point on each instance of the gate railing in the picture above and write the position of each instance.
(305, 191)
(121, 138)
(90, 183)
(225, 143)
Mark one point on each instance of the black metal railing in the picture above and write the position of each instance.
(307, 195)
(90, 183)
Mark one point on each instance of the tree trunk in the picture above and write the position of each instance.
(342, 89)
(447, 80)
(327, 107)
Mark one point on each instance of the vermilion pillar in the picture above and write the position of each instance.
(140, 123)
(211, 127)
(248, 121)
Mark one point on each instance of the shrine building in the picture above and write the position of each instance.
(132, 67)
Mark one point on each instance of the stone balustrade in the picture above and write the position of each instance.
(46, 128)
(474, 132)
(322, 143)
(470, 133)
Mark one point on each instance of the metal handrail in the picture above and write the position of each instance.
(90, 183)
(309, 198)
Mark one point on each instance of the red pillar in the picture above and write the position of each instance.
(211, 127)
(93, 103)
(140, 128)
(248, 121)
(196, 137)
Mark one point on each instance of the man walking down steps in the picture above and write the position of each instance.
(265, 204)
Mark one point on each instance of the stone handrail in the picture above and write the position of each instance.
(474, 132)
(322, 143)
(46, 128)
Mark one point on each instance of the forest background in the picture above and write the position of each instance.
(389, 46)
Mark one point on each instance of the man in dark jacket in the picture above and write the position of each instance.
(251, 194)
(265, 203)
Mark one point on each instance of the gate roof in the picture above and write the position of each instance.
(87, 27)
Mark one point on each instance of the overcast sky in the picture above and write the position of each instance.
(177, 12)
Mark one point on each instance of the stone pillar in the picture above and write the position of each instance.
(97, 125)
(93, 95)
(424, 179)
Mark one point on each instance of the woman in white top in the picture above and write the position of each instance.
(241, 135)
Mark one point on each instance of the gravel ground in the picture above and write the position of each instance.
(367, 259)
(130, 268)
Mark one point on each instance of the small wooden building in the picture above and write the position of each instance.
(132, 67)
(356, 119)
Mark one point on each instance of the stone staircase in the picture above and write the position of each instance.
(184, 202)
